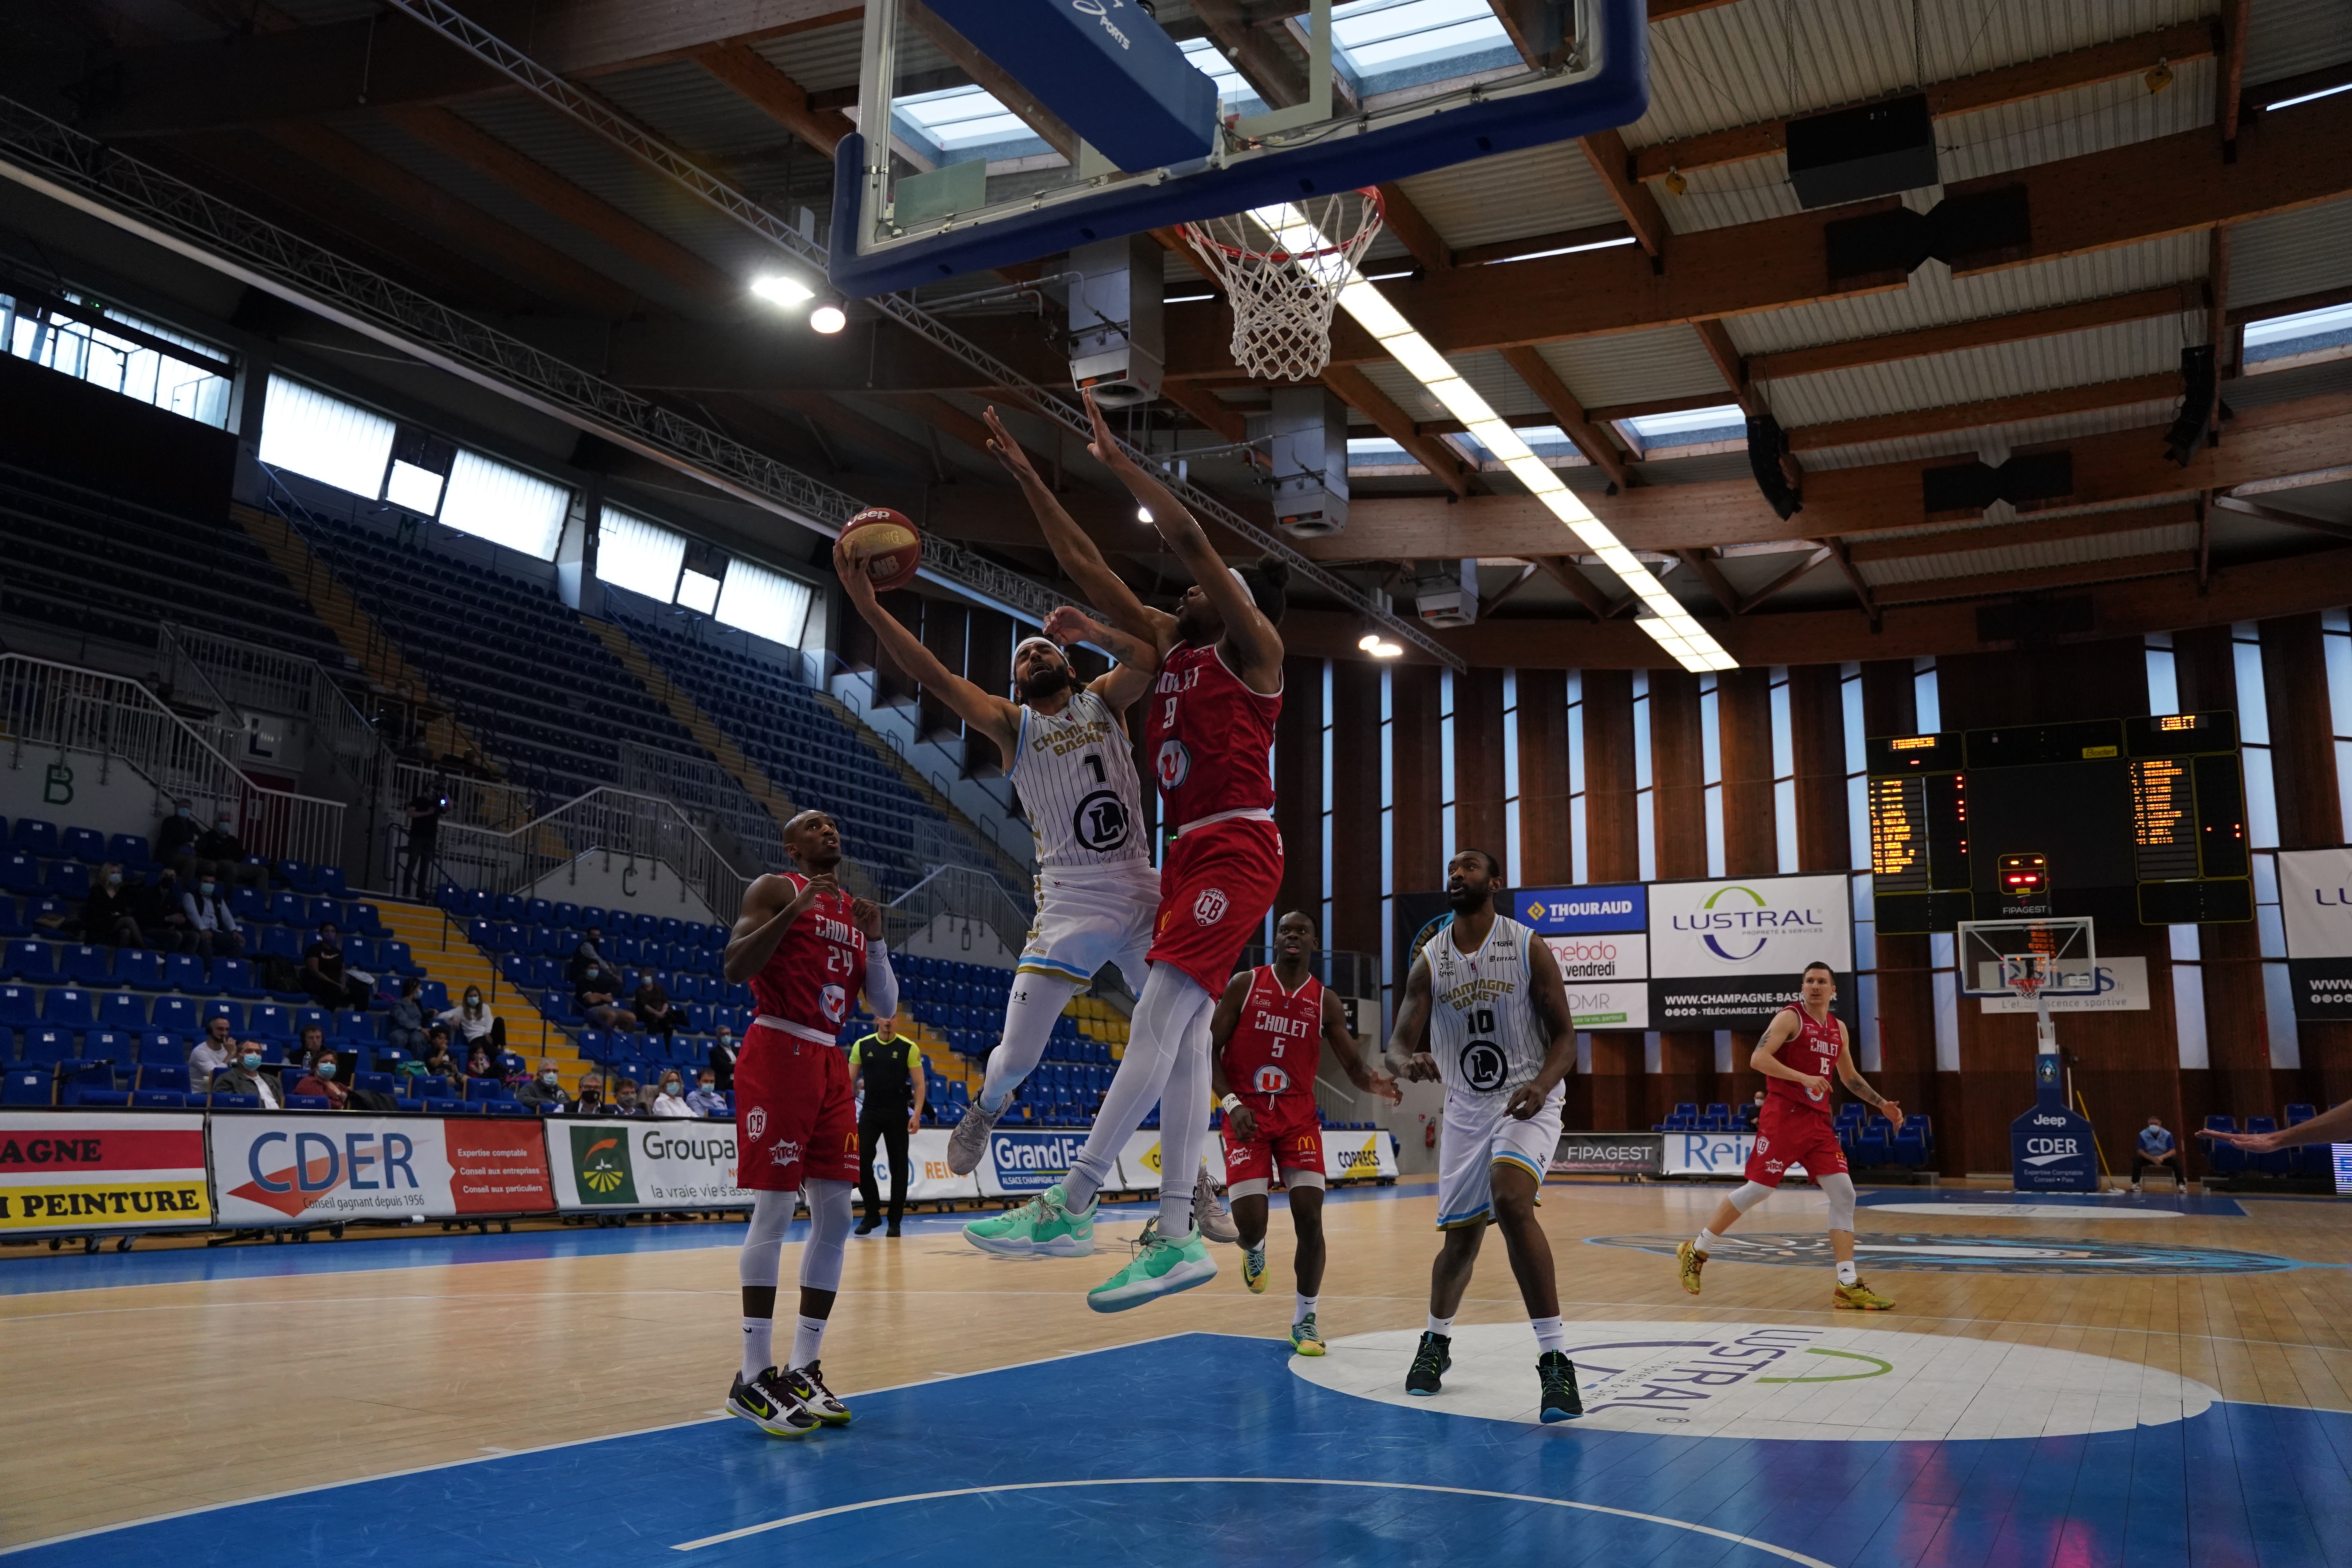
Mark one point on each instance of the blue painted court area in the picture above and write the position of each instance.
(1207, 1450)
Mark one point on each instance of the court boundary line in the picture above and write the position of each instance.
(574, 1443)
(1732, 1536)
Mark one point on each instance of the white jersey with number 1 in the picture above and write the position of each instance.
(1098, 892)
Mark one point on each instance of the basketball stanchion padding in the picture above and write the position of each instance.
(1283, 268)
(886, 546)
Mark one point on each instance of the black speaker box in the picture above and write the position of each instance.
(1850, 154)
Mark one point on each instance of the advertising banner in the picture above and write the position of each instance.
(85, 1171)
(2315, 903)
(1607, 978)
(1138, 1163)
(272, 1169)
(1728, 954)
(1710, 1153)
(1358, 1155)
(635, 1163)
(2123, 988)
(928, 1178)
(1579, 911)
(1609, 1155)
(1021, 1164)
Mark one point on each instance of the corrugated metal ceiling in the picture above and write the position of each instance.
(2294, 253)
(1540, 191)
(1636, 367)
(1961, 443)
(2027, 557)
(2004, 370)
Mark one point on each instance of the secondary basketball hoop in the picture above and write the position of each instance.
(1283, 268)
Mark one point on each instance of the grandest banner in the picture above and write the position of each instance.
(83, 1170)
(271, 1168)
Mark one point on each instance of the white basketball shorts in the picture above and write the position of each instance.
(1090, 916)
(1477, 1134)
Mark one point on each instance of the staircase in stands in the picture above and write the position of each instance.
(1012, 870)
(712, 739)
(436, 944)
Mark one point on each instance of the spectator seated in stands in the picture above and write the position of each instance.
(162, 921)
(595, 998)
(212, 930)
(214, 1053)
(220, 845)
(655, 1015)
(325, 975)
(311, 1045)
(586, 956)
(706, 1099)
(323, 1082)
(109, 916)
(244, 1076)
(404, 1023)
(438, 1062)
(590, 1101)
(546, 1088)
(624, 1099)
(2156, 1151)
(1752, 1113)
(670, 1099)
(175, 840)
(722, 1058)
(472, 1023)
(479, 1063)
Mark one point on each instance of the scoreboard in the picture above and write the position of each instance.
(2140, 819)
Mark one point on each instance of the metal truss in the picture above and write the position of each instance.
(615, 126)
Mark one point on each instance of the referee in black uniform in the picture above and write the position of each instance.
(890, 1070)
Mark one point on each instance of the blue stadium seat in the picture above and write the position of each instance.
(308, 1102)
(233, 1011)
(70, 1007)
(11, 927)
(395, 957)
(358, 1027)
(35, 837)
(27, 1086)
(251, 905)
(280, 941)
(444, 1107)
(314, 1018)
(85, 845)
(46, 1047)
(271, 1021)
(287, 908)
(85, 965)
(131, 850)
(69, 880)
(374, 1082)
(178, 1015)
(82, 1094)
(20, 873)
(20, 1006)
(159, 1098)
(184, 972)
(2220, 1158)
(157, 1048)
(139, 967)
(236, 978)
(236, 1102)
(30, 961)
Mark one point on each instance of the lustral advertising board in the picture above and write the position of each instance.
(1727, 954)
(2315, 905)
(274, 1169)
(90, 1171)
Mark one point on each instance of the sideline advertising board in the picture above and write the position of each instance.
(1727, 954)
(929, 1179)
(271, 1169)
(2315, 905)
(85, 1171)
(1710, 1154)
(1609, 1155)
(633, 1163)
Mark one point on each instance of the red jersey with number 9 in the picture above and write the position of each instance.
(1209, 737)
(811, 982)
(1816, 1050)
(1276, 1043)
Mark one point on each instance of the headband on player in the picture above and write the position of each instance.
(1041, 642)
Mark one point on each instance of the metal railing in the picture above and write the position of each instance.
(712, 794)
(645, 830)
(960, 893)
(248, 678)
(492, 805)
(46, 706)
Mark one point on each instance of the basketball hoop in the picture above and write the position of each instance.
(2024, 973)
(1283, 268)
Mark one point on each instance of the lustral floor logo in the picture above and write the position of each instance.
(1936, 1254)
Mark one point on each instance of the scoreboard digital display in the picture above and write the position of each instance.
(2141, 819)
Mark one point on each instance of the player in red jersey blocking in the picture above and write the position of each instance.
(808, 949)
(1209, 720)
(1801, 1046)
(1265, 1044)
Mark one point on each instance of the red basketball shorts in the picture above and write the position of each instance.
(1292, 1140)
(1786, 1136)
(1214, 891)
(795, 1117)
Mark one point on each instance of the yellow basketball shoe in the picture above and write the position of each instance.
(1689, 1261)
(1859, 1298)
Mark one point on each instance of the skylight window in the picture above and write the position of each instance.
(1383, 44)
(1659, 429)
(1234, 94)
(959, 123)
(2325, 322)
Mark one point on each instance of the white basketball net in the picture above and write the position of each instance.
(1283, 268)
(2025, 974)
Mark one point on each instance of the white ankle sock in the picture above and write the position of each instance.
(1707, 1240)
(1846, 1275)
(1304, 1311)
(808, 1341)
(758, 1346)
(1442, 1326)
(1549, 1335)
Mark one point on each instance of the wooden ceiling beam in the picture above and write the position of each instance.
(2231, 79)
(1419, 236)
(1843, 556)
(2040, 579)
(1788, 579)
(2124, 195)
(1565, 572)
(1702, 563)
(2022, 326)
(1591, 440)
(1605, 151)
(1203, 404)
(1964, 95)
(2030, 531)
(2291, 519)
(768, 90)
(1445, 464)
(1993, 411)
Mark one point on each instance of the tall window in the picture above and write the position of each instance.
(1646, 800)
(1857, 816)
(492, 500)
(1710, 770)
(2188, 950)
(1784, 774)
(638, 555)
(2262, 838)
(1325, 814)
(765, 603)
(1388, 850)
(322, 437)
(1578, 859)
(1511, 776)
(1445, 832)
(77, 336)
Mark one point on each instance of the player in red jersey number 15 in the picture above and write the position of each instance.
(1210, 713)
(807, 949)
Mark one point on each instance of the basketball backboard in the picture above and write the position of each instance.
(994, 131)
(2054, 955)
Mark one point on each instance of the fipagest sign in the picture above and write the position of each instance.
(83, 1170)
(665, 1162)
(273, 1168)
(1728, 953)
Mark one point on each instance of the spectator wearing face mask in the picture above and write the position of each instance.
(706, 1099)
(546, 1088)
(591, 1101)
(220, 845)
(323, 1080)
(722, 1059)
(109, 916)
(655, 1015)
(243, 1075)
(162, 921)
(471, 1023)
(671, 1100)
(595, 1000)
(212, 930)
(404, 1021)
(587, 956)
(214, 1053)
(324, 975)
(175, 840)
(624, 1099)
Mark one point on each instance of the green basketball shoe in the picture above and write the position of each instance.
(1161, 1267)
(1044, 1226)
(1254, 1268)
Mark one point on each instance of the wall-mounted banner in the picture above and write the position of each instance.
(1728, 953)
(2315, 901)
(1607, 977)
(272, 1169)
(2123, 988)
(1358, 1155)
(630, 1165)
(1609, 1155)
(1711, 1154)
(83, 1170)
(1577, 911)
(1021, 1164)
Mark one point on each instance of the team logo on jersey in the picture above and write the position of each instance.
(1101, 821)
(1270, 1079)
(1174, 765)
(755, 1122)
(1211, 905)
(1483, 1067)
(833, 1002)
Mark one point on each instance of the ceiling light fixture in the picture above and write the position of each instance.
(1668, 622)
(1676, 181)
(828, 318)
(2306, 97)
(1143, 514)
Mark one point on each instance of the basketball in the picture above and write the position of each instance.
(887, 545)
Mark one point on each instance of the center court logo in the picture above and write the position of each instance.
(600, 1163)
(1780, 1382)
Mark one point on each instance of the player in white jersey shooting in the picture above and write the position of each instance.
(1502, 1041)
(1066, 751)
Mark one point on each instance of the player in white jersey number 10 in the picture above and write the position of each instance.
(1501, 1040)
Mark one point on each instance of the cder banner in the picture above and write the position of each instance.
(2316, 904)
(1728, 954)
(269, 1169)
(83, 1170)
(629, 1164)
